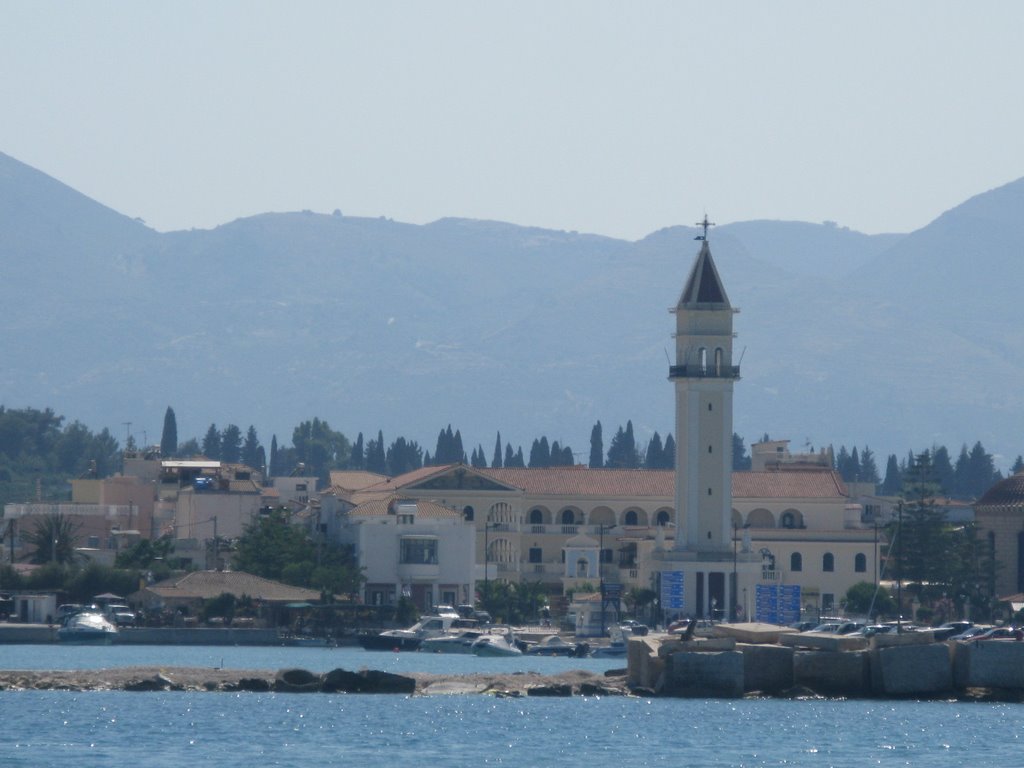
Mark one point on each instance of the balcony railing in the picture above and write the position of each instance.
(704, 372)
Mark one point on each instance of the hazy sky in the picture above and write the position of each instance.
(611, 117)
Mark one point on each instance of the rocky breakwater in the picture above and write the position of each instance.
(764, 660)
(336, 681)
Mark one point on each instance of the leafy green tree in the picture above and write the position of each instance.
(861, 600)
(274, 548)
(321, 448)
(923, 535)
(53, 538)
(893, 481)
(655, 455)
(596, 447)
(251, 450)
(540, 453)
(169, 436)
(190, 447)
(357, 460)
(622, 453)
(942, 467)
(740, 459)
(670, 452)
(478, 459)
(868, 468)
(231, 444)
(376, 458)
(404, 456)
(211, 443)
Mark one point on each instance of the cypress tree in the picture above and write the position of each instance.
(273, 468)
(509, 456)
(655, 456)
(596, 447)
(357, 461)
(169, 438)
(496, 460)
(670, 453)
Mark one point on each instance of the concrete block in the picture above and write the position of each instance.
(912, 670)
(753, 632)
(989, 664)
(698, 645)
(767, 668)
(695, 675)
(642, 664)
(833, 674)
(889, 639)
(825, 641)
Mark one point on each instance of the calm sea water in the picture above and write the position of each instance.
(167, 729)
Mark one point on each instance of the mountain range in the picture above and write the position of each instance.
(894, 341)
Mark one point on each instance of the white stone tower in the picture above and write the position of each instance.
(703, 568)
(703, 377)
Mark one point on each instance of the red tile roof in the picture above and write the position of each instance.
(206, 585)
(641, 483)
(424, 509)
(800, 484)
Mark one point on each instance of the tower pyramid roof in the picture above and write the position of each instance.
(704, 287)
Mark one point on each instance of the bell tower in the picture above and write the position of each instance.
(703, 377)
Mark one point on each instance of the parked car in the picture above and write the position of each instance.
(950, 628)
(634, 627)
(121, 615)
(1000, 633)
(970, 634)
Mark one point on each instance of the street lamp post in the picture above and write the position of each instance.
(600, 571)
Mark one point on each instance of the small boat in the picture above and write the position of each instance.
(616, 649)
(496, 644)
(87, 627)
(410, 639)
(457, 643)
(553, 645)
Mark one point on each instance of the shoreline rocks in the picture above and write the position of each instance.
(148, 679)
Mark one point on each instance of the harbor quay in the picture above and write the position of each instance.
(757, 659)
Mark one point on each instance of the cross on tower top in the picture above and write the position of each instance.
(705, 224)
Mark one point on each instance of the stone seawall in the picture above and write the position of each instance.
(908, 666)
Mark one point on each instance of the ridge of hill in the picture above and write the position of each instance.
(892, 341)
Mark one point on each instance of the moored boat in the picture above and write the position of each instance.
(90, 627)
(411, 638)
(496, 644)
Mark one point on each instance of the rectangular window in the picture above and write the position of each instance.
(419, 552)
(607, 556)
(536, 555)
(300, 486)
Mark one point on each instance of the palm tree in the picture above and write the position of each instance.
(54, 537)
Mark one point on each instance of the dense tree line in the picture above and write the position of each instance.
(37, 444)
(38, 447)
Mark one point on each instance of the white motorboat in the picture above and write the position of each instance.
(553, 645)
(496, 644)
(616, 648)
(441, 625)
(452, 643)
(87, 627)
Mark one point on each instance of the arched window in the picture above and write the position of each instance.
(719, 358)
(828, 562)
(467, 513)
(536, 517)
(630, 518)
(567, 517)
(860, 562)
(788, 520)
(796, 562)
(663, 518)
(702, 361)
